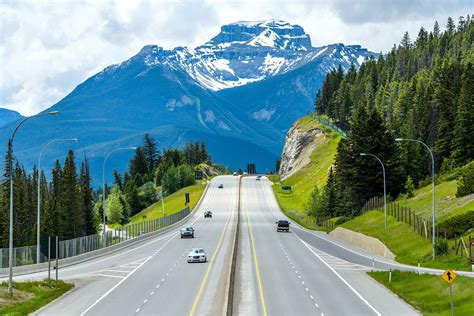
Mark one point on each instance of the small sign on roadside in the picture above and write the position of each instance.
(449, 276)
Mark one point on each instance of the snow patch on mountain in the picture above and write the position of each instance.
(263, 114)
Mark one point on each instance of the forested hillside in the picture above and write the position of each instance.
(422, 90)
(70, 207)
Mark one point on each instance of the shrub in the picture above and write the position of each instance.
(457, 225)
(441, 247)
(466, 182)
(341, 220)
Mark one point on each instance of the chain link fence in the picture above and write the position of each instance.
(73, 247)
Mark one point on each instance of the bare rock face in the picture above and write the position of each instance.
(299, 145)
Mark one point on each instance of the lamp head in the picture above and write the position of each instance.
(133, 148)
(54, 113)
(398, 139)
(74, 140)
(362, 154)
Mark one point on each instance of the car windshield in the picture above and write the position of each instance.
(283, 222)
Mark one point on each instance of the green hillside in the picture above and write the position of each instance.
(173, 203)
(315, 173)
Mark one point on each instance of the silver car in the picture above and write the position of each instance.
(197, 255)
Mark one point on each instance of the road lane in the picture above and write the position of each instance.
(162, 280)
(296, 280)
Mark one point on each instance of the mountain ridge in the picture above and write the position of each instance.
(168, 93)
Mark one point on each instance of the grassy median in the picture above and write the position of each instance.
(429, 293)
(29, 296)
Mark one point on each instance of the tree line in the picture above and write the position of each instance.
(420, 90)
(71, 208)
(151, 172)
(67, 202)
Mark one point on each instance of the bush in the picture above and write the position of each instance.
(466, 182)
(441, 247)
(341, 220)
(457, 225)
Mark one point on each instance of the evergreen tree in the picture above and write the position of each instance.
(71, 216)
(87, 200)
(149, 148)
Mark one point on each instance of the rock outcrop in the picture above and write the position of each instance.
(299, 145)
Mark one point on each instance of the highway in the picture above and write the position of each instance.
(154, 277)
(281, 274)
(300, 272)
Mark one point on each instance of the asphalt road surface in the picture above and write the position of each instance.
(281, 274)
(300, 272)
(154, 278)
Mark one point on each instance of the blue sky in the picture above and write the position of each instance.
(49, 47)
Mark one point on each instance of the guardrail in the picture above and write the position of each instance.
(74, 247)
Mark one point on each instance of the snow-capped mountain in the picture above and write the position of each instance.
(245, 52)
(239, 92)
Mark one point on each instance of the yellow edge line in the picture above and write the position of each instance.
(257, 270)
(204, 280)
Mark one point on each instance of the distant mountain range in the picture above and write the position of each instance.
(8, 116)
(239, 92)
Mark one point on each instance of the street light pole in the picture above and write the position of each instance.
(103, 187)
(38, 220)
(384, 187)
(432, 185)
(10, 242)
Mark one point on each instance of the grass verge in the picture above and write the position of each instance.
(447, 204)
(429, 293)
(407, 245)
(29, 296)
(173, 203)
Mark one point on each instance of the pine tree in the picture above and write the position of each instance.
(149, 147)
(450, 27)
(436, 29)
(87, 200)
(71, 217)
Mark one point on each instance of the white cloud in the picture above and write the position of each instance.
(48, 47)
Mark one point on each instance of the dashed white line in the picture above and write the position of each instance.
(138, 309)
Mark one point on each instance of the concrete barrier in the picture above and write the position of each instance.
(367, 243)
(99, 252)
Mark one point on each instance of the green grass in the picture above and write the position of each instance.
(173, 203)
(29, 296)
(447, 204)
(407, 245)
(429, 293)
(304, 180)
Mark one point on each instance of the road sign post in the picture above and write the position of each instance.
(449, 276)
(186, 197)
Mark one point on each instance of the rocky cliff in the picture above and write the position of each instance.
(300, 142)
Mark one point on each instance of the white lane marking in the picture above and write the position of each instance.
(114, 287)
(341, 278)
(152, 293)
(146, 300)
(138, 309)
(107, 275)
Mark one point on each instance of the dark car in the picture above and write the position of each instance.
(283, 225)
(187, 232)
(221, 186)
(208, 214)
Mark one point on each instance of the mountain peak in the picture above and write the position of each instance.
(276, 34)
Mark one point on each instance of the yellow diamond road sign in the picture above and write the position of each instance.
(449, 276)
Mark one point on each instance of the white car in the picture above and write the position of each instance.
(197, 255)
